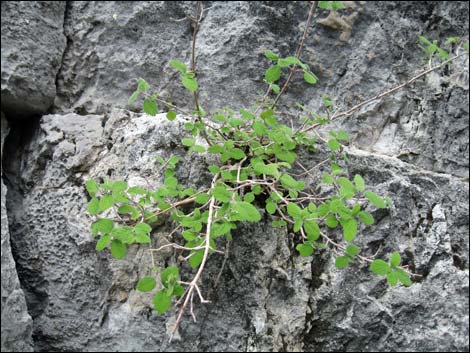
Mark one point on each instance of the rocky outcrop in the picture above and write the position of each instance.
(81, 59)
(17, 325)
(32, 46)
(268, 297)
(370, 48)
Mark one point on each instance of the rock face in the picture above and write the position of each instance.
(83, 58)
(268, 297)
(17, 325)
(32, 45)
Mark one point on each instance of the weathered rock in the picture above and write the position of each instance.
(32, 45)
(268, 297)
(372, 47)
(17, 325)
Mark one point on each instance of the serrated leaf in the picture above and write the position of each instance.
(146, 284)
(103, 242)
(102, 226)
(375, 199)
(170, 276)
(304, 249)
(178, 65)
(341, 262)
(190, 83)
(310, 78)
(352, 250)
(133, 98)
(107, 201)
(118, 249)
(93, 206)
(196, 259)
(334, 145)
(273, 74)
(270, 55)
(91, 187)
(312, 229)
(150, 107)
(246, 212)
(349, 229)
(221, 194)
(380, 267)
(188, 142)
(360, 184)
(270, 207)
(403, 277)
(366, 217)
(294, 211)
(171, 115)
(395, 259)
(392, 278)
(142, 238)
(331, 221)
(202, 198)
(161, 301)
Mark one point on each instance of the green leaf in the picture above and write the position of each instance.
(349, 229)
(327, 178)
(392, 278)
(93, 206)
(102, 226)
(403, 277)
(270, 55)
(304, 249)
(146, 284)
(259, 128)
(190, 83)
(178, 65)
(143, 228)
(310, 78)
(270, 207)
(334, 145)
(246, 212)
(196, 259)
(107, 201)
(366, 217)
(150, 107)
(188, 142)
(221, 194)
(290, 60)
(142, 85)
(237, 153)
(341, 262)
(214, 169)
(360, 184)
(342, 135)
(375, 199)
(312, 229)
(380, 267)
(170, 276)
(142, 238)
(395, 259)
(118, 249)
(273, 74)
(103, 242)
(202, 198)
(352, 250)
(294, 211)
(133, 98)
(91, 187)
(171, 115)
(331, 221)
(161, 301)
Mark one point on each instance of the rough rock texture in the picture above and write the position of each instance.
(373, 46)
(17, 325)
(83, 57)
(268, 298)
(33, 42)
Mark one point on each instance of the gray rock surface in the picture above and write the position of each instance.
(83, 58)
(17, 325)
(33, 42)
(268, 298)
(373, 46)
